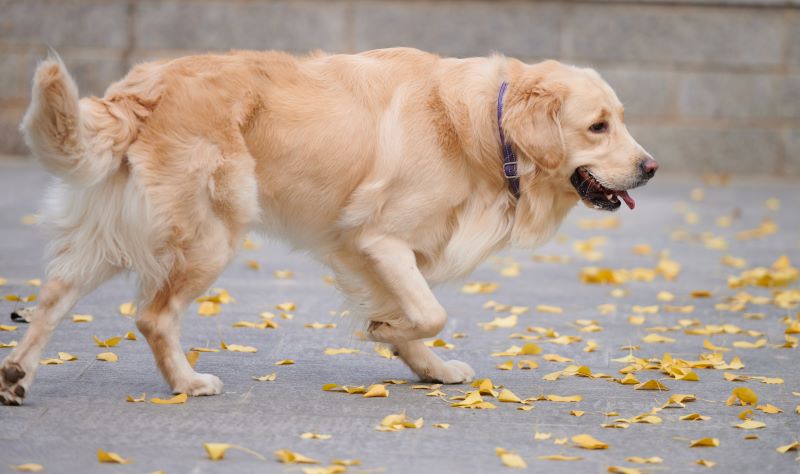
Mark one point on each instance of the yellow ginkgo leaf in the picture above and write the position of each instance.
(657, 338)
(237, 347)
(399, 422)
(51, 362)
(507, 396)
(82, 318)
(640, 460)
(586, 441)
(567, 399)
(384, 351)
(66, 356)
(560, 457)
(695, 417)
(636, 320)
(139, 399)
(542, 436)
(176, 400)
(130, 336)
(286, 306)
(705, 463)
(543, 308)
(266, 378)
(769, 409)
(216, 451)
(310, 435)
(479, 288)
(108, 342)
(500, 322)
(285, 362)
(623, 470)
(28, 467)
(510, 459)
(556, 358)
(751, 425)
(744, 395)
(444, 426)
(527, 364)
(375, 391)
(795, 446)
(342, 350)
(507, 365)
(192, 356)
(208, 308)
(651, 385)
(109, 457)
(127, 309)
(704, 443)
(8, 345)
(107, 357)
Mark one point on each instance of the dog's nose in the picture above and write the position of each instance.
(649, 167)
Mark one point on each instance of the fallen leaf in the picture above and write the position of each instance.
(586, 441)
(237, 347)
(130, 336)
(651, 385)
(375, 391)
(176, 400)
(399, 422)
(559, 398)
(139, 399)
(342, 350)
(444, 426)
(285, 362)
(744, 395)
(266, 378)
(560, 457)
(507, 396)
(290, 457)
(695, 417)
(108, 342)
(51, 362)
(82, 318)
(109, 457)
(28, 467)
(650, 460)
(795, 446)
(127, 309)
(510, 459)
(705, 462)
(310, 435)
(704, 443)
(751, 425)
(107, 357)
(66, 356)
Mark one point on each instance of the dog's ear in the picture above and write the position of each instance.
(531, 121)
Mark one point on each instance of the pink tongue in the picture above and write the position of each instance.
(627, 198)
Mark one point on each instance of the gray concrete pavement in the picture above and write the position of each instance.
(77, 407)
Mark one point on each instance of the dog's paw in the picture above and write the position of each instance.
(453, 372)
(200, 385)
(12, 384)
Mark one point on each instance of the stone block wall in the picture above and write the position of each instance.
(708, 85)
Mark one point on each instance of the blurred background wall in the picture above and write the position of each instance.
(708, 85)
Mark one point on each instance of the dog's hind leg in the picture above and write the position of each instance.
(57, 297)
(160, 318)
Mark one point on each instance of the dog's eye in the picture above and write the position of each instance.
(599, 127)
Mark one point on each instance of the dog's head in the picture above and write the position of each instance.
(567, 122)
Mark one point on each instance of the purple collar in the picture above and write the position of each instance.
(509, 158)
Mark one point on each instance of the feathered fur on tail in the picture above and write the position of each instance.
(82, 141)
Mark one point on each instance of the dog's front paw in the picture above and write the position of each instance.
(199, 385)
(12, 384)
(452, 372)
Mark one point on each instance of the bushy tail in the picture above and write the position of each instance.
(81, 141)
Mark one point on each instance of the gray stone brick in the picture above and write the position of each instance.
(685, 149)
(10, 139)
(526, 31)
(791, 161)
(12, 75)
(58, 23)
(645, 93)
(685, 34)
(219, 25)
(742, 96)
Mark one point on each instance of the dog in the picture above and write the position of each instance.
(398, 168)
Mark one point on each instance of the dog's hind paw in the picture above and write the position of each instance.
(200, 385)
(12, 390)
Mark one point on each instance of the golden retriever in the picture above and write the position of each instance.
(387, 165)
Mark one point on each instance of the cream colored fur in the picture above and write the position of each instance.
(385, 165)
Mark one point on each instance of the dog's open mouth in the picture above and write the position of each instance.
(599, 196)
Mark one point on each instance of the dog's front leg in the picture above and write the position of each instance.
(421, 314)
